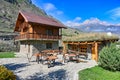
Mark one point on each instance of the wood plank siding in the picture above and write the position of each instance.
(31, 26)
(34, 36)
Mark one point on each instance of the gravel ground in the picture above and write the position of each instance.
(33, 71)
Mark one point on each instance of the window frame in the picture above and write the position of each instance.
(49, 46)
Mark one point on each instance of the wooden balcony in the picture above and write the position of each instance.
(33, 36)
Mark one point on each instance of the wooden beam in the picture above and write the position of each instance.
(73, 42)
(95, 51)
(64, 48)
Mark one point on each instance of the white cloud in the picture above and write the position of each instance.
(76, 23)
(115, 13)
(77, 19)
(72, 24)
(95, 21)
(59, 12)
(51, 9)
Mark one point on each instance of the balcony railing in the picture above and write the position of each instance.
(34, 36)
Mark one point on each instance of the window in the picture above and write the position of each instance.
(83, 50)
(49, 32)
(48, 45)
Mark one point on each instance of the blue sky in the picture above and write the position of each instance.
(80, 11)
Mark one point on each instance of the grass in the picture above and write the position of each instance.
(98, 73)
(90, 37)
(7, 55)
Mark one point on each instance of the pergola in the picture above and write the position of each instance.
(95, 40)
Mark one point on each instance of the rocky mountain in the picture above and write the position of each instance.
(9, 11)
(100, 28)
(96, 25)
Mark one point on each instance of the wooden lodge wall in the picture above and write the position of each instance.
(90, 48)
(37, 33)
(37, 29)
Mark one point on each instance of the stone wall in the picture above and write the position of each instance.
(38, 46)
(25, 48)
(31, 47)
(41, 45)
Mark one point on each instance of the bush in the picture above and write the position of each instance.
(6, 74)
(109, 58)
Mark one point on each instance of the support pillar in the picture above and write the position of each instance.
(95, 51)
(64, 48)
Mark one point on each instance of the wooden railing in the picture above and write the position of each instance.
(37, 36)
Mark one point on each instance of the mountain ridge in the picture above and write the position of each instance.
(95, 25)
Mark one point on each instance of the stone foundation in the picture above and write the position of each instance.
(31, 47)
(39, 46)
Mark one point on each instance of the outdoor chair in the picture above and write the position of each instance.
(51, 60)
(83, 54)
(38, 56)
(50, 56)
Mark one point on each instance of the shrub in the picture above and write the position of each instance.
(6, 74)
(109, 58)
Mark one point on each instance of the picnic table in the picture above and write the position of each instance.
(72, 55)
(78, 53)
(51, 60)
(47, 55)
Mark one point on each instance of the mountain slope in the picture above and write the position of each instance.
(96, 25)
(9, 11)
(71, 32)
(100, 28)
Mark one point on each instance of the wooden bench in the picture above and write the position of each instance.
(83, 54)
(74, 55)
(79, 53)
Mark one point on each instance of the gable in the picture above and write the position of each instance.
(37, 19)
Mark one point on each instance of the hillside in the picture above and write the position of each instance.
(71, 32)
(9, 10)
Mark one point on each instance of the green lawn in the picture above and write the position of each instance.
(7, 55)
(98, 73)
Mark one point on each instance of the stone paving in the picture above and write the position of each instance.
(33, 71)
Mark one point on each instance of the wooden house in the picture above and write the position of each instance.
(37, 33)
(88, 43)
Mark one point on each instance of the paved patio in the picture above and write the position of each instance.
(33, 71)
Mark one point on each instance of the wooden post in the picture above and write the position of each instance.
(28, 48)
(64, 48)
(95, 51)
